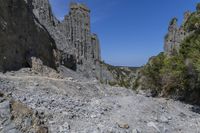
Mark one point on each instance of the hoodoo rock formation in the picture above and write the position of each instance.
(79, 48)
(175, 35)
(38, 38)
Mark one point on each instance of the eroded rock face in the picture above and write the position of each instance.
(21, 36)
(42, 11)
(80, 49)
(32, 37)
(76, 27)
(175, 35)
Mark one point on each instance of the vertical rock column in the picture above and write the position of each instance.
(77, 28)
(175, 35)
(171, 36)
(85, 45)
(96, 48)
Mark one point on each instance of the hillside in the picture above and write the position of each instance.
(175, 72)
(120, 75)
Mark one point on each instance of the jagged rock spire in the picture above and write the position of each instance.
(186, 16)
(173, 25)
(175, 36)
(73, 36)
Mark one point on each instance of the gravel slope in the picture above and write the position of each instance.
(64, 105)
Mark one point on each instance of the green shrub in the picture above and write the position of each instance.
(193, 22)
(173, 73)
(177, 75)
(152, 72)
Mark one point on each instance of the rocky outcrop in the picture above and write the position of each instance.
(16, 117)
(79, 48)
(76, 27)
(69, 43)
(84, 44)
(175, 35)
(37, 38)
(42, 11)
(23, 37)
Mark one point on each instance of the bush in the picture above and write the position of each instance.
(152, 72)
(193, 22)
(174, 75)
(178, 75)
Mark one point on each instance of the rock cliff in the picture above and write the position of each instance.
(79, 48)
(175, 35)
(23, 37)
(37, 38)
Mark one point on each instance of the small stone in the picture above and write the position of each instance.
(10, 128)
(152, 124)
(78, 87)
(13, 131)
(70, 78)
(2, 99)
(123, 125)
(28, 122)
(93, 116)
(24, 99)
(5, 105)
(105, 109)
(42, 130)
(182, 115)
(64, 128)
(12, 74)
(71, 116)
(36, 84)
(163, 119)
(135, 131)
(169, 118)
(8, 94)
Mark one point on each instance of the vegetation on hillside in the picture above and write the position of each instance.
(123, 76)
(176, 76)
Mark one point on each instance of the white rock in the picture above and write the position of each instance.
(135, 131)
(164, 119)
(152, 124)
(93, 116)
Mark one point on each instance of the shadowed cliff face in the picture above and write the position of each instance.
(21, 37)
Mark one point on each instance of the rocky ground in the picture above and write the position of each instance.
(32, 102)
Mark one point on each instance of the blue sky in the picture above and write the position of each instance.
(130, 31)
